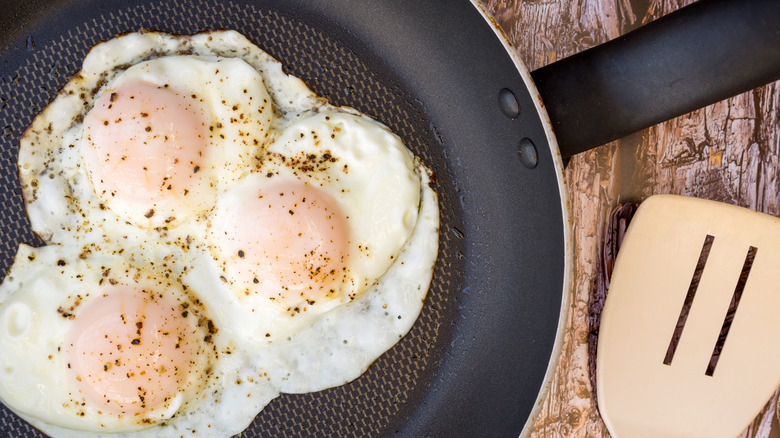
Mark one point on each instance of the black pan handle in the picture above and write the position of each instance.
(695, 56)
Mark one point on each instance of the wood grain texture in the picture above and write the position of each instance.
(729, 152)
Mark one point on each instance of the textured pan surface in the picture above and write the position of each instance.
(459, 360)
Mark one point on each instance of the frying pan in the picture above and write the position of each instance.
(442, 76)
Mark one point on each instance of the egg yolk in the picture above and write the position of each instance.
(288, 243)
(144, 145)
(130, 351)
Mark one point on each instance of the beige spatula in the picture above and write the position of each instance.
(689, 342)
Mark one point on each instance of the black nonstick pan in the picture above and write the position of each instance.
(440, 74)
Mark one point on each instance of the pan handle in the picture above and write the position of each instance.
(693, 57)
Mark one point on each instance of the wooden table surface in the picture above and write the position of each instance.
(729, 151)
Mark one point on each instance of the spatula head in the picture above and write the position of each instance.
(688, 338)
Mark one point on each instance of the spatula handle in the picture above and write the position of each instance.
(693, 57)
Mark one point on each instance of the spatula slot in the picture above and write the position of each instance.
(686, 307)
(724, 331)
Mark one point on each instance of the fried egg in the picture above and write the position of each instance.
(193, 185)
(92, 344)
(158, 140)
(333, 200)
(332, 347)
(149, 146)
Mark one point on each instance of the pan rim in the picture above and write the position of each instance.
(568, 272)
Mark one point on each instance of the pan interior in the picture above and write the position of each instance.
(43, 61)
